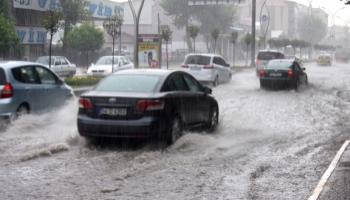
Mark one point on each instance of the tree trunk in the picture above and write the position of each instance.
(167, 56)
(87, 58)
(50, 48)
(194, 45)
(113, 43)
(233, 54)
(246, 61)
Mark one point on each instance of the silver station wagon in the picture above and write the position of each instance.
(29, 87)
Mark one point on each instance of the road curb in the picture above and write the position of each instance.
(329, 172)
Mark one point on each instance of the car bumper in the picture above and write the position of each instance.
(7, 108)
(277, 81)
(142, 128)
(203, 77)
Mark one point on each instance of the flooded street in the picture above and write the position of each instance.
(269, 145)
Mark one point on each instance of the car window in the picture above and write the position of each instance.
(279, 64)
(125, 61)
(198, 60)
(63, 61)
(169, 85)
(2, 76)
(128, 83)
(57, 61)
(270, 55)
(179, 82)
(25, 75)
(46, 77)
(192, 84)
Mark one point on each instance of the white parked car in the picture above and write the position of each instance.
(103, 66)
(59, 64)
(209, 68)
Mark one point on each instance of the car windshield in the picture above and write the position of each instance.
(2, 76)
(198, 60)
(279, 64)
(128, 83)
(107, 60)
(44, 60)
(269, 56)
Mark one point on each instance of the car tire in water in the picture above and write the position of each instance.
(213, 119)
(175, 131)
(22, 110)
(216, 81)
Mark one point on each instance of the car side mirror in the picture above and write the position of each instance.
(303, 68)
(207, 90)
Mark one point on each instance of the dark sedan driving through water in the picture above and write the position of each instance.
(283, 72)
(147, 103)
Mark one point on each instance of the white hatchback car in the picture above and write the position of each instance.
(209, 68)
(103, 66)
(59, 64)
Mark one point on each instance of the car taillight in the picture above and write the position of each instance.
(149, 105)
(7, 91)
(184, 66)
(85, 103)
(208, 66)
(290, 73)
(262, 73)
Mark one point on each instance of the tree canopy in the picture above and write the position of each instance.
(312, 29)
(86, 38)
(8, 35)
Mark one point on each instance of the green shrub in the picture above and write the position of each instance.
(82, 81)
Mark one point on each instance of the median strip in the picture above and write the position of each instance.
(328, 173)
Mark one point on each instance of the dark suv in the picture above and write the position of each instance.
(265, 56)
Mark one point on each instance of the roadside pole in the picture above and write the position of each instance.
(136, 17)
(252, 59)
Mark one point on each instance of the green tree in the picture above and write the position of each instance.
(86, 38)
(193, 31)
(5, 8)
(73, 11)
(218, 16)
(8, 36)
(215, 36)
(181, 13)
(52, 25)
(166, 33)
(233, 40)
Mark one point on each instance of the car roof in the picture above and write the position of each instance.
(269, 51)
(203, 54)
(11, 64)
(159, 72)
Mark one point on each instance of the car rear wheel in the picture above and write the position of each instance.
(213, 119)
(175, 131)
(216, 81)
(22, 110)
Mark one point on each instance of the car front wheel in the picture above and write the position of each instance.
(213, 119)
(216, 81)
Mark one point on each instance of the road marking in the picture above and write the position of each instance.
(329, 172)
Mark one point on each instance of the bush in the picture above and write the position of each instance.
(82, 81)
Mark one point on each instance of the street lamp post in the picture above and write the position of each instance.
(252, 59)
(113, 27)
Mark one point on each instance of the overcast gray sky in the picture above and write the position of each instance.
(330, 6)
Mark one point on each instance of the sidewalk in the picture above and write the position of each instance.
(338, 185)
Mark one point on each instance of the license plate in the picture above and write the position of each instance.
(275, 74)
(113, 111)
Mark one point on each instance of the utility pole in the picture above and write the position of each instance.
(252, 59)
(136, 17)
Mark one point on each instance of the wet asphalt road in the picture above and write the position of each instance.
(270, 145)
